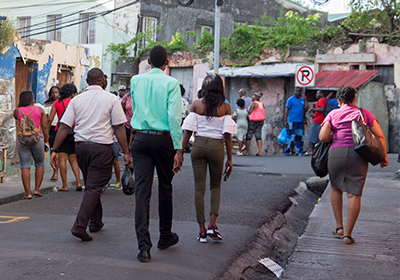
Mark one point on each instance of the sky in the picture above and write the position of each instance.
(333, 7)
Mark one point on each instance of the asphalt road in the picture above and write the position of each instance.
(42, 247)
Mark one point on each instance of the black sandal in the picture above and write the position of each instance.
(335, 232)
(349, 237)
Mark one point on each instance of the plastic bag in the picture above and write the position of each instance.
(128, 182)
(319, 159)
(282, 136)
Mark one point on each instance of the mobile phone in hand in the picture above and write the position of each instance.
(227, 172)
(46, 148)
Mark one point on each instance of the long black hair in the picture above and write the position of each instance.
(51, 95)
(25, 99)
(213, 90)
(66, 91)
(346, 95)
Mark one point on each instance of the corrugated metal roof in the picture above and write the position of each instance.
(350, 78)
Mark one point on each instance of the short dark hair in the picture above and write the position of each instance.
(67, 90)
(158, 56)
(25, 98)
(95, 76)
(240, 102)
(346, 95)
(183, 90)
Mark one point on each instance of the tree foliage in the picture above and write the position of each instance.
(288, 31)
(7, 33)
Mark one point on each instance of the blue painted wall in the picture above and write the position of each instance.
(42, 77)
(7, 63)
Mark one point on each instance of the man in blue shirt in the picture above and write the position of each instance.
(296, 106)
(157, 117)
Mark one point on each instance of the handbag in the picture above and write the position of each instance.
(366, 144)
(319, 159)
(71, 131)
(282, 136)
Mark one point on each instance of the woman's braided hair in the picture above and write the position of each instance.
(346, 95)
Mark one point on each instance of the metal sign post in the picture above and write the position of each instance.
(218, 4)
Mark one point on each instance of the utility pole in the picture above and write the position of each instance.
(218, 4)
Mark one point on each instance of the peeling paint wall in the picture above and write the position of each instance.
(43, 60)
(50, 57)
(7, 99)
(393, 100)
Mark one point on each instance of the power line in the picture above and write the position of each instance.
(85, 20)
(46, 22)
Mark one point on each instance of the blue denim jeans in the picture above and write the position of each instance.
(26, 152)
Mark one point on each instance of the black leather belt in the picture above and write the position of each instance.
(153, 132)
(90, 143)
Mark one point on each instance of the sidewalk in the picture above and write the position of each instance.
(375, 253)
(12, 190)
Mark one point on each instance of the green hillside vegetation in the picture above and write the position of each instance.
(288, 31)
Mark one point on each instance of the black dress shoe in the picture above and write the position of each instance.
(96, 228)
(82, 235)
(165, 243)
(144, 256)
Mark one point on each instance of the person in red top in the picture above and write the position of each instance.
(67, 148)
(318, 114)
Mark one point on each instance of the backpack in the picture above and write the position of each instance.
(328, 108)
(28, 133)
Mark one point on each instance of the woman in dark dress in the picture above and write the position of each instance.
(67, 148)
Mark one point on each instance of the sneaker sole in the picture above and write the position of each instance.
(202, 240)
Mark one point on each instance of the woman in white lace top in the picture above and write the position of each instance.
(210, 120)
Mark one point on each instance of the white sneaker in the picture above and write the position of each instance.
(202, 238)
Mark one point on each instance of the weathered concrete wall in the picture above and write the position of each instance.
(385, 55)
(274, 97)
(393, 100)
(50, 56)
(45, 59)
(174, 18)
(372, 97)
(7, 100)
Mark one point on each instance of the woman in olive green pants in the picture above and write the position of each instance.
(211, 121)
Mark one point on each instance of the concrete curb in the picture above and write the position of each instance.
(277, 238)
(43, 190)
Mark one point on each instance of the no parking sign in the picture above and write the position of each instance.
(305, 76)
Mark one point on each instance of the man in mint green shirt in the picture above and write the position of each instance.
(157, 107)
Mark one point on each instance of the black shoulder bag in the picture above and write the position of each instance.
(366, 144)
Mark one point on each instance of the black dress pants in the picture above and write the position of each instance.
(149, 151)
(95, 161)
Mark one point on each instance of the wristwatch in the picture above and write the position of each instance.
(55, 151)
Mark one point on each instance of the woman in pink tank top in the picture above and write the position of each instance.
(25, 152)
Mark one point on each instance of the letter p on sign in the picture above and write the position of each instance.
(305, 76)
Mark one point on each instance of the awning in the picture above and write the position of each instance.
(259, 71)
(336, 79)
